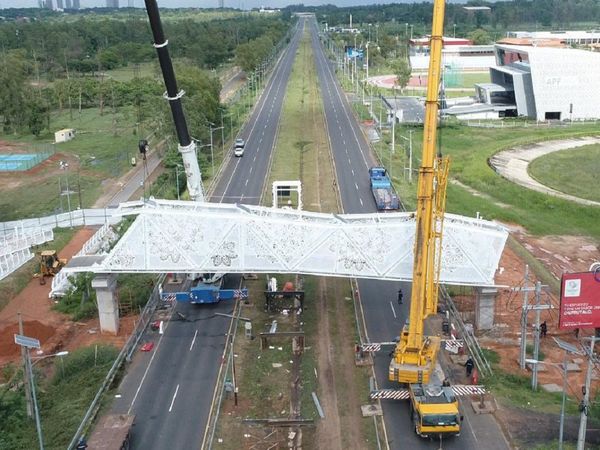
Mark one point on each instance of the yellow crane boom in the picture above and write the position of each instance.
(415, 354)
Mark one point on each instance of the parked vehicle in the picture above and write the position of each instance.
(207, 293)
(383, 191)
(113, 432)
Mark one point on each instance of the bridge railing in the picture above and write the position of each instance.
(98, 243)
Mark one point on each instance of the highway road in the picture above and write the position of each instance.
(383, 316)
(171, 388)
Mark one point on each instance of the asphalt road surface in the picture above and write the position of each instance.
(383, 316)
(170, 389)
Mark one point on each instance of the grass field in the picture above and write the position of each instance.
(469, 149)
(145, 69)
(573, 171)
(103, 145)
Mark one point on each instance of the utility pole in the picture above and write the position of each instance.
(585, 404)
(25, 371)
(536, 345)
(410, 152)
(525, 290)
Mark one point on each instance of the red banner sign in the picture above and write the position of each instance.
(580, 300)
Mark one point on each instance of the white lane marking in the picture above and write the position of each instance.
(193, 340)
(352, 171)
(349, 162)
(149, 364)
(361, 203)
(246, 182)
(252, 167)
(393, 310)
(174, 395)
(355, 184)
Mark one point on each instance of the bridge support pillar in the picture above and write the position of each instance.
(108, 308)
(485, 307)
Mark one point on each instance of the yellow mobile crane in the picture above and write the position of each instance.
(434, 406)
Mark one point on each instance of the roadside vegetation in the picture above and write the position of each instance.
(66, 386)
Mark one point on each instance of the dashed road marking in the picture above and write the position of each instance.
(193, 340)
(174, 396)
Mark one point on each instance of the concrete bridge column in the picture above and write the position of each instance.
(108, 308)
(485, 308)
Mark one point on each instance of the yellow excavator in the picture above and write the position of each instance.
(50, 264)
(434, 406)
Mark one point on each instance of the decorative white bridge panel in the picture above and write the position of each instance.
(173, 236)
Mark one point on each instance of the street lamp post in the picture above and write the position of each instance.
(410, 151)
(454, 33)
(212, 154)
(64, 166)
(38, 423)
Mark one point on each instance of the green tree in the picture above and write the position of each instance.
(108, 59)
(480, 37)
(14, 69)
(402, 71)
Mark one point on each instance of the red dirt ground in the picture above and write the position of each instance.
(558, 254)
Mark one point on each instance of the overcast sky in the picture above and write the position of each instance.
(245, 4)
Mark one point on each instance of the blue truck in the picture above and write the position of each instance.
(204, 293)
(383, 191)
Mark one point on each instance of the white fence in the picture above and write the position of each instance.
(15, 247)
(75, 218)
(21, 239)
(11, 262)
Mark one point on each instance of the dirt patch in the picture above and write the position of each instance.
(48, 168)
(329, 429)
(9, 349)
(561, 254)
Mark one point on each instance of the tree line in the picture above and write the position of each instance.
(557, 14)
(57, 65)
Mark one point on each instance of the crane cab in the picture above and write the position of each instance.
(434, 410)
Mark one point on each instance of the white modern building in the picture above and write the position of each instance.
(567, 37)
(544, 83)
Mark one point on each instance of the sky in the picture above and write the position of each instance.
(242, 4)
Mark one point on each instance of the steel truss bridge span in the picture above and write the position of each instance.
(190, 237)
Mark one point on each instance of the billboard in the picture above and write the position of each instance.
(580, 300)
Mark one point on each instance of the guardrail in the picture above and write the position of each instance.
(124, 355)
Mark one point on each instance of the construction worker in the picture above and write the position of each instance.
(543, 329)
(469, 366)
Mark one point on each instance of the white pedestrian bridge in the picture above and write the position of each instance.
(189, 237)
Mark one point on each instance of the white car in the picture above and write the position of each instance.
(238, 149)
